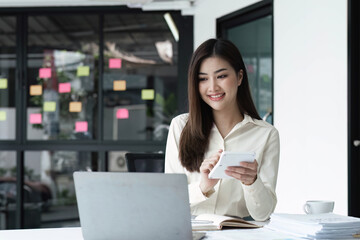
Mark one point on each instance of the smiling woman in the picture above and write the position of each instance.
(218, 85)
(222, 116)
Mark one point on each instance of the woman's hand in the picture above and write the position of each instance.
(246, 172)
(207, 165)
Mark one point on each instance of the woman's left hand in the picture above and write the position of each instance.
(246, 172)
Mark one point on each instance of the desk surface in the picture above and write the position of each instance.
(75, 234)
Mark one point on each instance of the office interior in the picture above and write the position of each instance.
(83, 82)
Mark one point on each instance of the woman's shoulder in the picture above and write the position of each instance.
(263, 124)
(180, 120)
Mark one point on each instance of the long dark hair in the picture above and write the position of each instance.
(194, 138)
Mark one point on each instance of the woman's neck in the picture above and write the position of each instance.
(226, 120)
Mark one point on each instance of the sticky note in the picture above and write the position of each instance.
(119, 85)
(3, 83)
(81, 126)
(122, 113)
(147, 94)
(83, 71)
(75, 106)
(49, 106)
(114, 63)
(45, 73)
(2, 116)
(64, 87)
(35, 90)
(35, 118)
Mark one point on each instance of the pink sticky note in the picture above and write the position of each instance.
(35, 118)
(114, 63)
(45, 73)
(64, 87)
(122, 113)
(81, 126)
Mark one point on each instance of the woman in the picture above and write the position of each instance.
(222, 117)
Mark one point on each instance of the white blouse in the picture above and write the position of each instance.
(230, 196)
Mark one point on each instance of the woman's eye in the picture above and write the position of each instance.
(222, 76)
(202, 79)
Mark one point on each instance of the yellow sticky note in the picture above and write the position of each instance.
(83, 71)
(35, 90)
(3, 83)
(147, 94)
(49, 106)
(119, 85)
(2, 116)
(75, 106)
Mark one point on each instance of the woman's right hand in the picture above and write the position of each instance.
(207, 165)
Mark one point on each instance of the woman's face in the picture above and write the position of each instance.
(218, 83)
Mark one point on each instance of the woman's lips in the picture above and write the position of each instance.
(216, 97)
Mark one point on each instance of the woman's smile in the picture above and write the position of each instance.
(216, 97)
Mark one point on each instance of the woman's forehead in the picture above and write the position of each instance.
(214, 63)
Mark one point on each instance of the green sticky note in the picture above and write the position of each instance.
(147, 94)
(2, 116)
(83, 71)
(3, 83)
(49, 106)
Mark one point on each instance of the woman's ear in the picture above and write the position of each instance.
(240, 77)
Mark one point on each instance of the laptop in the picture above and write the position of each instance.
(133, 205)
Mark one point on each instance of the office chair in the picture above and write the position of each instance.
(145, 162)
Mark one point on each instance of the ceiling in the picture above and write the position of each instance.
(134, 35)
(144, 4)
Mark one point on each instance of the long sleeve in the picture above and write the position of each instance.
(230, 196)
(173, 165)
(260, 197)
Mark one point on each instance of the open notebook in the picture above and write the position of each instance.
(208, 222)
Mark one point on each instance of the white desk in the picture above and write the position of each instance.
(75, 234)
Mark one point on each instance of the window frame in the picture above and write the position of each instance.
(245, 15)
(21, 144)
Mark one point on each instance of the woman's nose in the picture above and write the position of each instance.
(213, 84)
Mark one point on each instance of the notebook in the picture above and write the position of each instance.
(133, 205)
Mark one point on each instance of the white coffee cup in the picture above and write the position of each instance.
(315, 207)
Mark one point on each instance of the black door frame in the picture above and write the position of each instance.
(245, 15)
(353, 108)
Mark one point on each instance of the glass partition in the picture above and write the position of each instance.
(62, 77)
(140, 77)
(254, 40)
(51, 191)
(55, 89)
(7, 189)
(7, 77)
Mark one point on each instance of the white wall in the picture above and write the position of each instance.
(310, 95)
(207, 11)
(310, 71)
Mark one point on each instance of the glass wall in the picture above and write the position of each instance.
(251, 30)
(88, 85)
(254, 40)
(49, 185)
(140, 77)
(63, 52)
(7, 189)
(7, 77)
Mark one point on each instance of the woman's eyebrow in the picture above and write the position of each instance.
(221, 69)
(217, 71)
